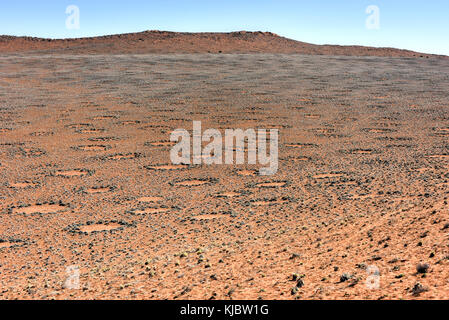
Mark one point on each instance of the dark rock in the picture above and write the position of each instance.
(422, 267)
(418, 288)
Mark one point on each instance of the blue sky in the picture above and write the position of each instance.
(414, 24)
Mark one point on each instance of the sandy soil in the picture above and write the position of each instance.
(86, 179)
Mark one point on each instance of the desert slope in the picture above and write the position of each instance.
(174, 42)
(86, 179)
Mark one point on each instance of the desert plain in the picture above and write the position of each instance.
(357, 210)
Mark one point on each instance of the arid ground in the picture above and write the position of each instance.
(86, 178)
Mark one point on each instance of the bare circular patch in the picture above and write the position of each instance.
(441, 132)
(229, 194)
(274, 184)
(206, 217)
(327, 175)
(422, 170)
(100, 189)
(312, 116)
(99, 227)
(23, 185)
(92, 148)
(150, 199)
(247, 173)
(167, 167)
(361, 151)
(92, 227)
(44, 208)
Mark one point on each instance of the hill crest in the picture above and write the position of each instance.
(164, 42)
